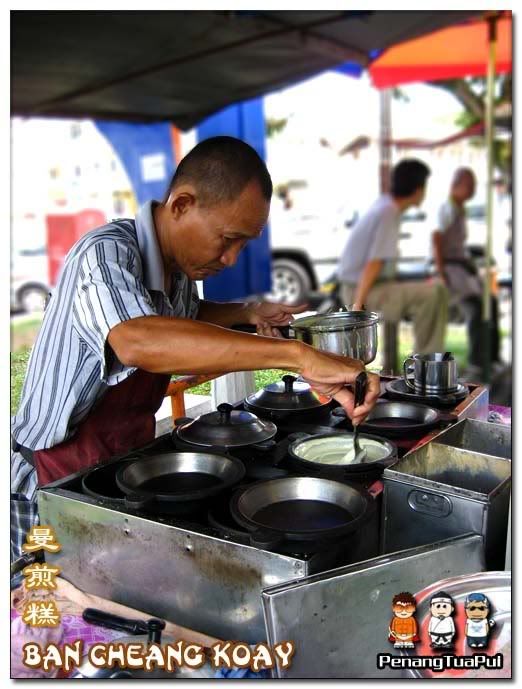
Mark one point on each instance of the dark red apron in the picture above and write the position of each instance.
(123, 420)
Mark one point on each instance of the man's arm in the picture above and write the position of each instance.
(266, 316)
(437, 254)
(178, 345)
(368, 277)
(223, 314)
(181, 345)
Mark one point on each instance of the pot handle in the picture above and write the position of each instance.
(265, 538)
(182, 420)
(289, 381)
(225, 410)
(447, 417)
(137, 502)
(153, 627)
(405, 371)
(24, 561)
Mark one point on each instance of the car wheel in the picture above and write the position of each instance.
(290, 281)
(33, 299)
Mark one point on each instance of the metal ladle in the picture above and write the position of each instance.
(361, 384)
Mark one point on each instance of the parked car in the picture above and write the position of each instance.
(29, 279)
(306, 249)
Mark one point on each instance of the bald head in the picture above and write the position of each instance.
(463, 185)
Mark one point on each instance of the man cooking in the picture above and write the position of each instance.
(125, 315)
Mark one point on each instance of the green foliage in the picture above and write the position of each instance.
(273, 126)
(19, 362)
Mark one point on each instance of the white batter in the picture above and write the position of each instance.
(339, 450)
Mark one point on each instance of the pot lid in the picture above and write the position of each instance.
(287, 394)
(341, 320)
(338, 449)
(227, 427)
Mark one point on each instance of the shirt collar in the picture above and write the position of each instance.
(153, 273)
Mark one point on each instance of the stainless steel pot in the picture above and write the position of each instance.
(349, 333)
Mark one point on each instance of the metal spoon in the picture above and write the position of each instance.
(361, 383)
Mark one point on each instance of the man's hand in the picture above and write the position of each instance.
(269, 317)
(329, 374)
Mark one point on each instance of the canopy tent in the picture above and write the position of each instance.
(451, 53)
(481, 47)
(182, 66)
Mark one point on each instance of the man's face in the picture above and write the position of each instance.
(464, 188)
(419, 197)
(477, 610)
(441, 609)
(403, 609)
(208, 239)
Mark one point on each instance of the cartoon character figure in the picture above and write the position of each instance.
(403, 627)
(477, 609)
(441, 627)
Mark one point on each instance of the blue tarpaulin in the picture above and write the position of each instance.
(145, 151)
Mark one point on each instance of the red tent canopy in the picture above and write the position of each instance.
(456, 52)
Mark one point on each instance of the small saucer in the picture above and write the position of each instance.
(397, 389)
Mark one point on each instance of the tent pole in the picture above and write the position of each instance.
(390, 360)
(490, 95)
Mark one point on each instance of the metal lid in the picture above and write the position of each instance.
(226, 427)
(287, 394)
(342, 320)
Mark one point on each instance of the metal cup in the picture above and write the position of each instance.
(433, 374)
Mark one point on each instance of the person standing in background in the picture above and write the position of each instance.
(456, 268)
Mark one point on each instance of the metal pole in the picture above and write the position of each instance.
(390, 328)
(490, 95)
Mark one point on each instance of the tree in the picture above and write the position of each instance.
(471, 94)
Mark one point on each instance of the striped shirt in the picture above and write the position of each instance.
(112, 274)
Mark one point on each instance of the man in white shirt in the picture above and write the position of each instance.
(478, 623)
(441, 627)
(368, 264)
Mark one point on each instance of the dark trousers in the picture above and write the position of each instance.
(472, 307)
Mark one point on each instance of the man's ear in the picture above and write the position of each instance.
(180, 202)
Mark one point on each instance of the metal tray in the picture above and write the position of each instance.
(452, 470)
(339, 620)
(485, 438)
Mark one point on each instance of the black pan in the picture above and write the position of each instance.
(178, 482)
(300, 508)
(100, 482)
(360, 472)
(403, 419)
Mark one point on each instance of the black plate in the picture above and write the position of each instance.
(397, 389)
